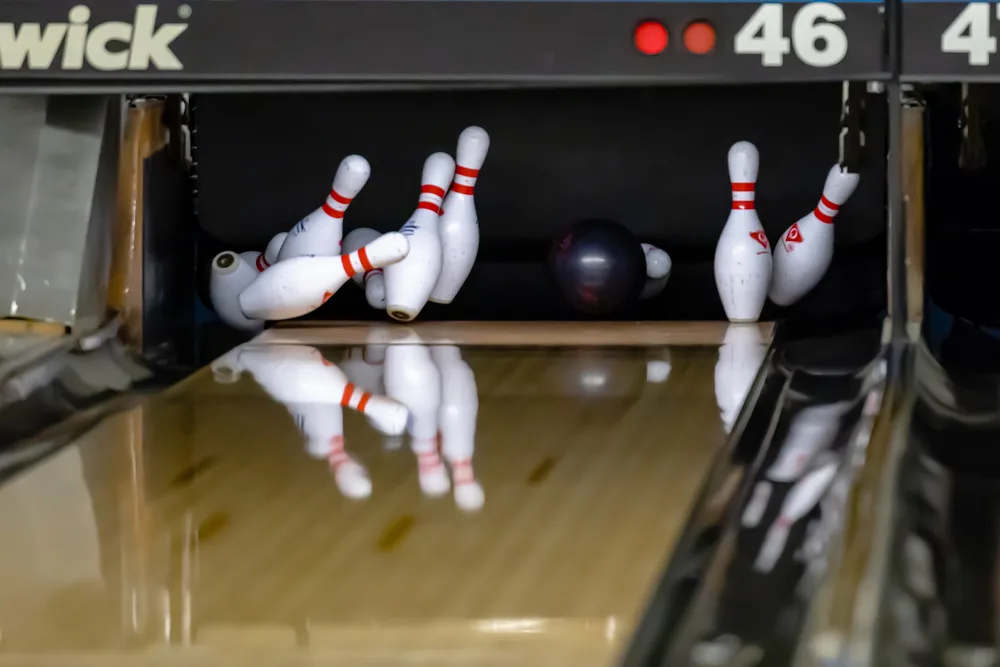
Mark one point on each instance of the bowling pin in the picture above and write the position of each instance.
(805, 251)
(322, 427)
(658, 262)
(459, 222)
(320, 232)
(363, 366)
(299, 374)
(459, 409)
(231, 274)
(742, 255)
(300, 285)
(412, 378)
(262, 260)
(409, 283)
(372, 281)
(740, 356)
(812, 431)
(803, 497)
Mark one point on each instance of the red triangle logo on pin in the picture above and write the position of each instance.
(760, 237)
(326, 296)
(793, 235)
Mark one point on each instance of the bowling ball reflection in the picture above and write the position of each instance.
(599, 266)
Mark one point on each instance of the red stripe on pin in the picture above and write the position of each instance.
(345, 399)
(339, 198)
(261, 262)
(465, 171)
(463, 189)
(365, 262)
(430, 206)
(348, 266)
(829, 204)
(364, 401)
(432, 190)
(742, 187)
(332, 212)
(822, 216)
(739, 205)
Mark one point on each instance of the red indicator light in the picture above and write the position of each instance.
(651, 38)
(699, 37)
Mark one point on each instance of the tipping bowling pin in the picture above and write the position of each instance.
(459, 409)
(372, 281)
(299, 285)
(320, 232)
(409, 283)
(459, 222)
(804, 253)
(231, 274)
(742, 255)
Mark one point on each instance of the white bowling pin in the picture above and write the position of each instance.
(300, 285)
(805, 251)
(373, 282)
(459, 222)
(658, 262)
(812, 431)
(320, 232)
(803, 497)
(231, 274)
(409, 283)
(459, 409)
(322, 426)
(740, 357)
(412, 378)
(742, 255)
(262, 260)
(299, 374)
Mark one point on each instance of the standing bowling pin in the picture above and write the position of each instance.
(373, 282)
(320, 232)
(459, 222)
(743, 256)
(262, 260)
(409, 283)
(459, 409)
(804, 253)
(231, 274)
(300, 285)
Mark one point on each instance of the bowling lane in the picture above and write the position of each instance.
(223, 519)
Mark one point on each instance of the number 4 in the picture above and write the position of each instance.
(970, 33)
(763, 34)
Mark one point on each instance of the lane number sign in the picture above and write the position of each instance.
(816, 39)
(970, 34)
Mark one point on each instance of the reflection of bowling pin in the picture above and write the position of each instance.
(322, 426)
(803, 497)
(804, 253)
(459, 409)
(658, 368)
(320, 232)
(411, 378)
(300, 285)
(459, 222)
(740, 356)
(742, 255)
(231, 274)
(812, 430)
(300, 374)
(371, 281)
(409, 283)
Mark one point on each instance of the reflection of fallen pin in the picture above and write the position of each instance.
(726, 651)
(758, 504)
(812, 430)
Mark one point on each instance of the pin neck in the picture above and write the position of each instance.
(826, 210)
(430, 198)
(743, 196)
(336, 204)
(465, 180)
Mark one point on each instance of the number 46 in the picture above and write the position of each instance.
(970, 33)
(817, 39)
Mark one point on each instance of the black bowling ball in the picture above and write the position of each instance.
(599, 266)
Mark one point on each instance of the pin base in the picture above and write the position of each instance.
(401, 313)
(443, 302)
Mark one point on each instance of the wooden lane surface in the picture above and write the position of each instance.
(248, 553)
(511, 333)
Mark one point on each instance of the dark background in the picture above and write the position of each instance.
(651, 158)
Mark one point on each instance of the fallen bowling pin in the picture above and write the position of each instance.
(373, 282)
(409, 283)
(231, 274)
(658, 262)
(321, 232)
(300, 374)
(742, 255)
(300, 285)
(459, 227)
(805, 251)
